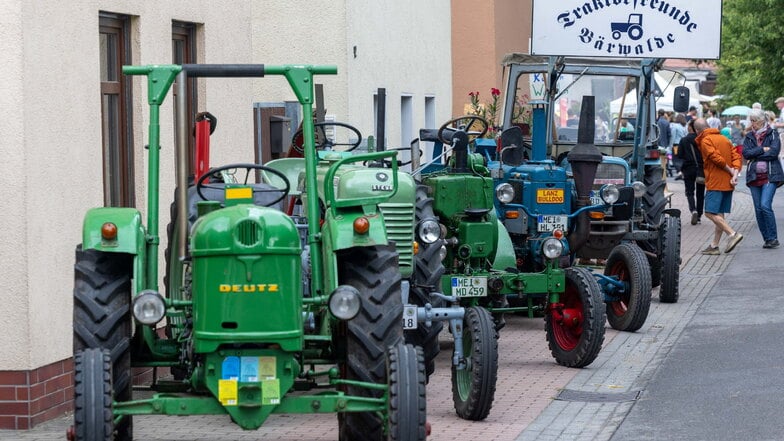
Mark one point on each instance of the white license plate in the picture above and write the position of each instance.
(409, 317)
(469, 286)
(547, 223)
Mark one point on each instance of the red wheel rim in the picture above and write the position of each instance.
(621, 306)
(567, 332)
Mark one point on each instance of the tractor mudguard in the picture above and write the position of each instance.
(130, 233)
(339, 231)
(504, 253)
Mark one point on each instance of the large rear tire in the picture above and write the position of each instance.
(629, 264)
(378, 326)
(670, 259)
(102, 317)
(407, 399)
(93, 417)
(576, 342)
(473, 388)
(425, 280)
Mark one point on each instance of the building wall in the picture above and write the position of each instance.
(52, 133)
(482, 33)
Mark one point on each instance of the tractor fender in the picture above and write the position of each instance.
(339, 231)
(504, 253)
(130, 233)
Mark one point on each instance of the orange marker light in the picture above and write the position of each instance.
(416, 248)
(109, 231)
(361, 225)
(512, 214)
(599, 215)
(558, 234)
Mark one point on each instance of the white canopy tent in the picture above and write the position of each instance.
(667, 85)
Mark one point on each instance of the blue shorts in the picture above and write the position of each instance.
(717, 202)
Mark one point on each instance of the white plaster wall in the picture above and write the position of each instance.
(405, 47)
(14, 338)
(50, 96)
(52, 147)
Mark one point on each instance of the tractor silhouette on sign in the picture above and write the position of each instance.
(632, 27)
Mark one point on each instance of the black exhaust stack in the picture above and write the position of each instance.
(584, 159)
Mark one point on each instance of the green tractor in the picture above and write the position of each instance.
(265, 312)
(477, 274)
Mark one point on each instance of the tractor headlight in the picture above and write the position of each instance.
(639, 189)
(428, 231)
(552, 248)
(610, 194)
(505, 193)
(149, 307)
(442, 253)
(344, 302)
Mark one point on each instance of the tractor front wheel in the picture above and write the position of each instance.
(629, 264)
(670, 259)
(575, 325)
(473, 385)
(407, 399)
(102, 316)
(93, 417)
(425, 280)
(374, 272)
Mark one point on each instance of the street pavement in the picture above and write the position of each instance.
(703, 368)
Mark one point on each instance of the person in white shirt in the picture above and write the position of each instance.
(713, 121)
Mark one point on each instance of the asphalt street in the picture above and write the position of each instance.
(724, 378)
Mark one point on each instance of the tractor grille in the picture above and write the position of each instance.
(399, 220)
(247, 233)
(609, 174)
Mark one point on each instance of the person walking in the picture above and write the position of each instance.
(764, 174)
(677, 132)
(713, 121)
(692, 169)
(665, 146)
(721, 167)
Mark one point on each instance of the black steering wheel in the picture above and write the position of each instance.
(248, 168)
(322, 142)
(464, 123)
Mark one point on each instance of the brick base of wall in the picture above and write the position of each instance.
(28, 398)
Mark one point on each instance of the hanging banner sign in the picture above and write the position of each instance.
(688, 29)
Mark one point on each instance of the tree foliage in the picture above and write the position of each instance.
(751, 68)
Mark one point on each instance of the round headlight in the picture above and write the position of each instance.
(149, 307)
(344, 303)
(639, 189)
(505, 193)
(552, 248)
(610, 194)
(429, 231)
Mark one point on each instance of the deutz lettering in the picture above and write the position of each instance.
(261, 287)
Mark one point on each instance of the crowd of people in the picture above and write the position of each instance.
(708, 155)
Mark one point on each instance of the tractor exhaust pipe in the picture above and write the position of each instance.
(585, 159)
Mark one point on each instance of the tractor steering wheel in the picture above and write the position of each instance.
(463, 123)
(248, 167)
(322, 142)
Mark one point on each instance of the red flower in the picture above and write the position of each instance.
(473, 93)
(494, 91)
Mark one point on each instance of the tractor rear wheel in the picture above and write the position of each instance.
(670, 259)
(575, 328)
(653, 204)
(102, 316)
(473, 387)
(93, 417)
(426, 279)
(374, 272)
(407, 399)
(629, 264)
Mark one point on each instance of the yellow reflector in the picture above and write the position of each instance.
(596, 215)
(239, 193)
(416, 248)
